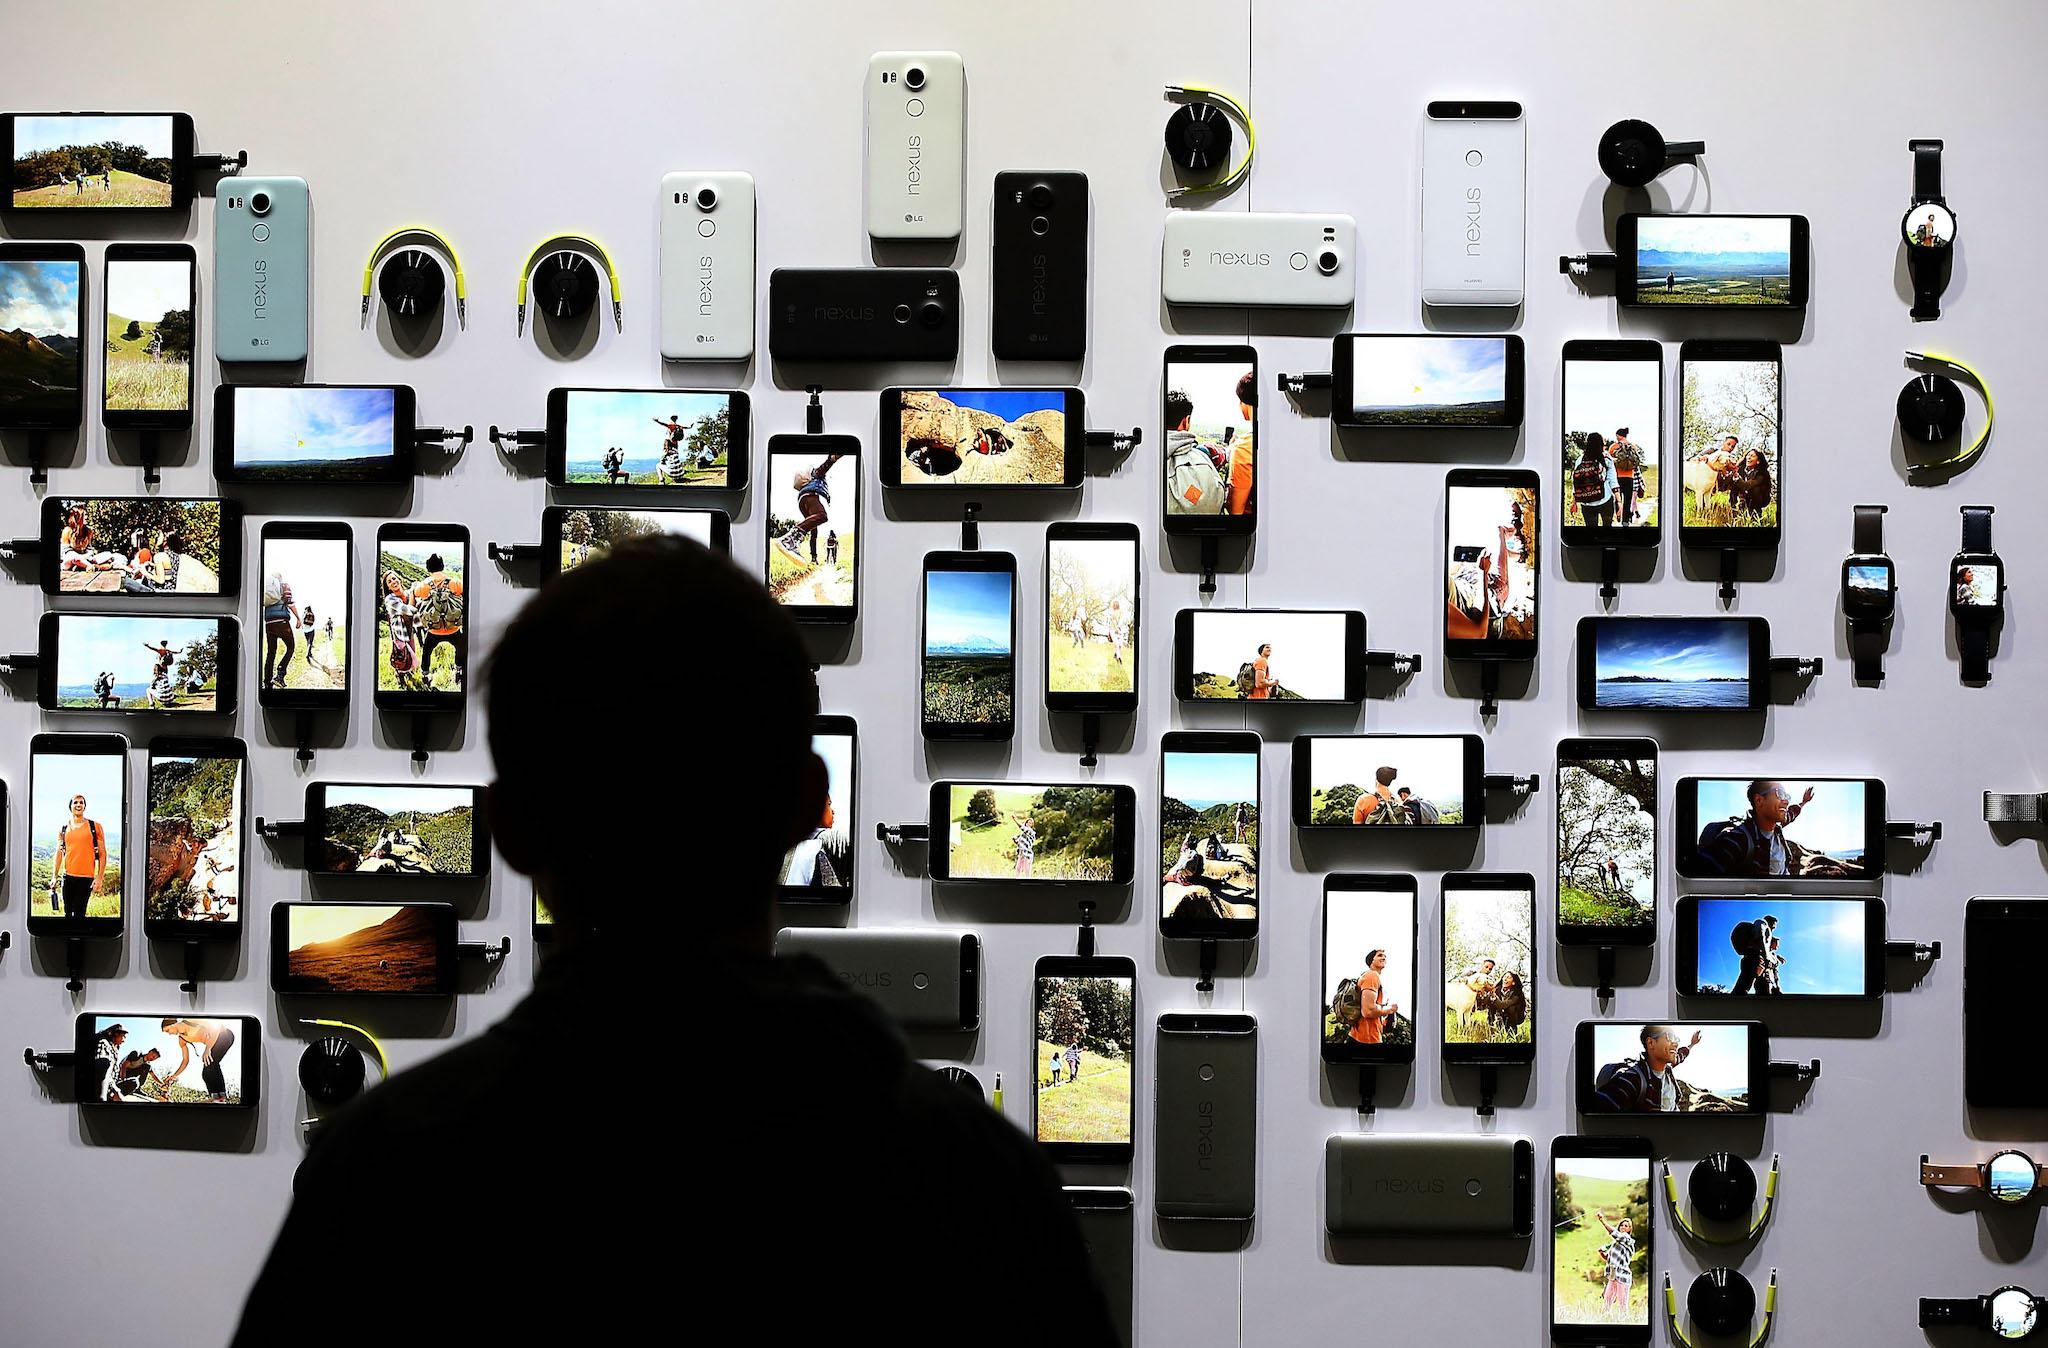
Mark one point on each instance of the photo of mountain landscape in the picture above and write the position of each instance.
(362, 948)
(41, 366)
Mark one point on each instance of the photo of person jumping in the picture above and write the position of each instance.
(647, 438)
(813, 502)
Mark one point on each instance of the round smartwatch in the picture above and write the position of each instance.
(1929, 229)
(2008, 1177)
(1870, 593)
(1976, 593)
(2009, 1313)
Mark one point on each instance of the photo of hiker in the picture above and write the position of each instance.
(1488, 952)
(1429, 381)
(195, 844)
(1670, 1069)
(149, 335)
(1086, 1035)
(824, 860)
(1003, 831)
(1761, 827)
(969, 673)
(422, 616)
(1768, 948)
(138, 546)
(348, 948)
(1612, 440)
(398, 830)
(1600, 1223)
(1702, 663)
(1690, 259)
(1209, 836)
(1607, 844)
(138, 663)
(812, 494)
(1368, 966)
(588, 534)
(1412, 780)
(77, 828)
(92, 159)
(301, 577)
(970, 437)
(1269, 656)
(647, 438)
(1729, 409)
(315, 434)
(1211, 413)
(1491, 575)
(1090, 609)
(42, 366)
(1930, 227)
(169, 1060)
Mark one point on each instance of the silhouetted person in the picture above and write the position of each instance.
(822, 1162)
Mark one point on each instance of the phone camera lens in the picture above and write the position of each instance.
(902, 313)
(932, 314)
(913, 78)
(1041, 196)
(1327, 261)
(259, 203)
(707, 197)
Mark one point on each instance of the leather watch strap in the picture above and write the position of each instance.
(1973, 640)
(1926, 170)
(1867, 644)
(1977, 528)
(2014, 807)
(1952, 1176)
(1869, 529)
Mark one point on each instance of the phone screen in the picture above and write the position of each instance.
(93, 159)
(1397, 780)
(981, 437)
(814, 525)
(118, 546)
(1776, 946)
(1713, 260)
(196, 859)
(1669, 664)
(1021, 832)
(1277, 655)
(1369, 968)
(1786, 828)
(970, 670)
(313, 433)
(404, 830)
(351, 949)
(422, 614)
(1728, 428)
(648, 438)
(2001, 950)
(1432, 381)
(42, 353)
(1086, 1036)
(1212, 421)
(1613, 442)
(149, 336)
(169, 1060)
(305, 614)
(589, 533)
(1091, 620)
(138, 663)
(1601, 1218)
(1607, 842)
(1209, 836)
(821, 866)
(77, 834)
(1668, 1067)
(1490, 532)
(1489, 967)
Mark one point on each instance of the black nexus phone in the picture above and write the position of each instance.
(42, 346)
(1038, 265)
(313, 434)
(1613, 465)
(1369, 968)
(148, 300)
(424, 617)
(1674, 664)
(2001, 948)
(573, 535)
(141, 546)
(924, 978)
(967, 678)
(1489, 968)
(96, 161)
(309, 603)
(1429, 1184)
(153, 664)
(1427, 781)
(1602, 1212)
(820, 868)
(179, 1059)
(813, 523)
(863, 314)
(1269, 655)
(988, 439)
(1031, 833)
(1711, 261)
(1648, 1069)
(1425, 381)
(1732, 483)
(1781, 829)
(1210, 413)
(1109, 1233)
(77, 834)
(1205, 1115)
(1091, 617)
(1606, 842)
(363, 949)
(1209, 805)
(672, 438)
(397, 830)
(1084, 1057)
(1778, 946)
(1492, 522)
(198, 838)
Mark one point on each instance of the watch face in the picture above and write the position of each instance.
(1974, 583)
(1867, 586)
(1930, 226)
(2012, 1313)
(2009, 1177)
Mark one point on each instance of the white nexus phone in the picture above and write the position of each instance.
(916, 146)
(1472, 170)
(707, 265)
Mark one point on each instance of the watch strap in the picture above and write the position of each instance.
(1973, 639)
(2014, 807)
(1952, 1176)
(1869, 529)
(1867, 642)
(1936, 1312)
(1926, 170)
(1977, 528)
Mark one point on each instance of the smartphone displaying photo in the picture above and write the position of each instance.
(77, 834)
(1781, 828)
(137, 663)
(665, 439)
(1411, 781)
(326, 434)
(150, 293)
(1491, 526)
(1613, 444)
(2002, 939)
(1778, 946)
(1209, 835)
(152, 1059)
(820, 868)
(1674, 664)
(1671, 1067)
(308, 575)
(197, 838)
(1369, 968)
(363, 949)
(98, 160)
(141, 546)
(42, 325)
(573, 535)
(1606, 842)
(1031, 832)
(423, 616)
(1729, 408)
(968, 677)
(1712, 260)
(1211, 417)
(985, 438)
(814, 526)
(1602, 1213)
(405, 831)
(1426, 381)
(1489, 968)
(1085, 1056)
(1269, 655)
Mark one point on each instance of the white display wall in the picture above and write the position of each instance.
(501, 124)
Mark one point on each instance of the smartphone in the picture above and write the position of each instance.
(1712, 1067)
(1781, 829)
(308, 570)
(916, 144)
(922, 978)
(1492, 521)
(148, 301)
(1038, 266)
(820, 868)
(363, 949)
(1370, 968)
(1612, 474)
(141, 546)
(1489, 968)
(1779, 946)
(262, 236)
(396, 831)
(1424, 381)
(99, 161)
(1602, 1214)
(1606, 842)
(813, 524)
(707, 265)
(137, 662)
(984, 438)
(1429, 1184)
(863, 314)
(967, 681)
(1674, 664)
(324, 434)
(42, 336)
(152, 1058)
(1084, 1057)
(1209, 805)
(1733, 479)
(573, 535)
(1110, 1236)
(198, 832)
(1210, 410)
(662, 438)
(77, 834)
(1258, 259)
(1472, 207)
(1269, 655)
(2001, 944)
(1091, 617)
(1711, 260)
(1205, 1116)
(1032, 833)
(423, 617)
(1420, 781)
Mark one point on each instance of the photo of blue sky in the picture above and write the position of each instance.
(1007, 403)
(319, 425)
(1764, 242)
(1832, 822)
(1820, 940)
(967, 612)
(1427, 371)
(152, 131)
(39, 298)
(1202, 780)
(601, 418)
(1677, 651)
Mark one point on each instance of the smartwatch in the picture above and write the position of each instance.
(1929, 229)
(1870, 592)
(2015, 807)
(2009, 1313)
(1976, 593)
(2008, 1177)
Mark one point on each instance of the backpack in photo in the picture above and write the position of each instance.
(1589, 482)
(1747, 938)
(1247, 678)
(1192, 482)
(1347, 1006)
(440, 608)
(1426, 813)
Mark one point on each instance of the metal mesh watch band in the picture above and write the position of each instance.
(2014, 807)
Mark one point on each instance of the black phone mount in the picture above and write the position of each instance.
(1489, 1087)
(970, 526)
(220, 165)
(446, 438)
(1402, 664)
(280, 828)
(1368, 1089)
(490, 952)
(149, 444)
(1730, 560)
(1913, 832)
(1928, 951)
(38, 450)
(1294, 385)
(1610, 573)
(1585, 264)
(1211, 549)
(1603, 987)
(1519, 787)
(302, 736)
(74, 963)
(419, 736)
(18, 664)
(1119, 442)
(1793, 1071)
(20, 547)
(1084, 937)
(515, 552)
(896, 835)
(1489, 690)
(1207, 981)
(814, 411)
(509, 443)
(1091, 735)
(195, 958)
(51, 1060)
(1801, 666)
